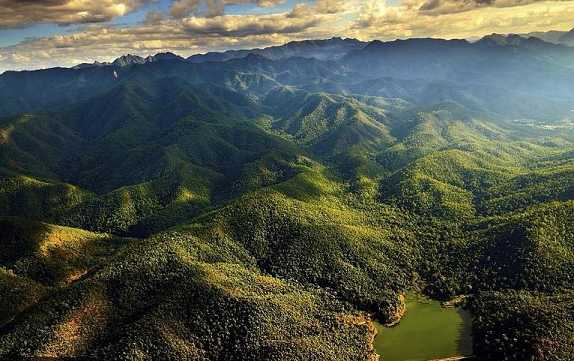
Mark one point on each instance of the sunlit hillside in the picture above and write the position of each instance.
(272, 204)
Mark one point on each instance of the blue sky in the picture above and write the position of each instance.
(16, 35)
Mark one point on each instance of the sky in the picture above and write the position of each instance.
(45, 33)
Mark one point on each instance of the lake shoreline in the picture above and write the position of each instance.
(433, 330)
(399, 313)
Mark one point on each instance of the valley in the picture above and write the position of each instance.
(268, 206)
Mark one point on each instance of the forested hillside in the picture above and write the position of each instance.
(269, 204)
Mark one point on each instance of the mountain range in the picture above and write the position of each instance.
(556, 37)
(271, 203)
(328, 49)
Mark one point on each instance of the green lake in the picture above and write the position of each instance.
(427, 331)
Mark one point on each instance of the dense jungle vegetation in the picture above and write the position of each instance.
(261, 207)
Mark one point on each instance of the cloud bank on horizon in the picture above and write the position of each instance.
(45, 33)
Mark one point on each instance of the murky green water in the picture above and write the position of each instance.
(427, 331)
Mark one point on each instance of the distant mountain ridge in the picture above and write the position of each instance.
(568, 38)
(344, 65)
(130, 59)
(513, 40)
(555, 37)
(338, 48)
(329, 49)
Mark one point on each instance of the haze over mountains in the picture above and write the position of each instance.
(485, 63)
(268, 204)
(328, 49)
(556, 37)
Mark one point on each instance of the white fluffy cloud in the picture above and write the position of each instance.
(379, 20)
(248, 25)
(439, 7)
(14, 13)
(185, 36)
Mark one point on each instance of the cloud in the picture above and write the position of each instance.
(379, 20)
(248, 25)
(185, 36)
(211, 8)
(16, 13)
(321, 7)
(154, 17)
(441, 7)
